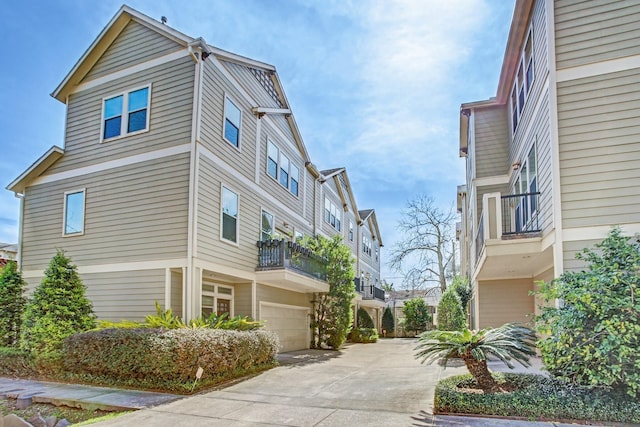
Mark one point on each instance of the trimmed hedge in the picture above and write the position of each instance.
(168, 359)
(535, 397)
(15, 363)
(364, 335)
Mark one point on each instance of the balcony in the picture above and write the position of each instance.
(368, 292)
(508, 242)
(288, 265)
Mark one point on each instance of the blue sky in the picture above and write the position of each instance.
(375, 86)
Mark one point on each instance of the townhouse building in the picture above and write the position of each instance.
(551, 160)
(184, 179)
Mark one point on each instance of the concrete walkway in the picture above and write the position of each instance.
(363, 385)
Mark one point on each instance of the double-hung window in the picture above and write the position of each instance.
(266, 226)
(350, 231)
(332, 214)
(232, 121)
(229, 215)
(73, 213)
(126, 113)
(523, 81)
(280, 168)
(527, 186)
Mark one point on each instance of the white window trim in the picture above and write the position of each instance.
(125, 113)
(216, 294)
(278, 163)
(273, 217)
(237, 242)
(516, 87)
(333, 210)
(224, 120)
(64, 212)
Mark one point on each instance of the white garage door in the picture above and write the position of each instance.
(290, 322)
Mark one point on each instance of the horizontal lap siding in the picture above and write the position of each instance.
(594, 31)
(215, 85)
(242, 299)
(505, 301)
(600, 149)
(250, 84)
(570, 249)
(491, 141)
(281, 296)
(132, 213)
(169, 120)
(129, 295)
(135, 44)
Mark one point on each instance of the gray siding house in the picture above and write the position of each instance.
(552, 159)
(181, 162)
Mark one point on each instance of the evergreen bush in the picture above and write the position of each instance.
(388, 323)
(364, 319)
(450, 314)
(364, 335)
(58, 309)
(464, 290)
(12, 304)
(417, 316)
(594, 335)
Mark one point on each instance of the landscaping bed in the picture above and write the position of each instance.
(534, 397)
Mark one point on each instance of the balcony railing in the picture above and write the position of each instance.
(368, 291)
(520, 214)
(479, 241)
(279, 254)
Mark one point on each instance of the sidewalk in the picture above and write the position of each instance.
(81, 396)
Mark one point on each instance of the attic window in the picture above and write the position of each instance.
(126, 113)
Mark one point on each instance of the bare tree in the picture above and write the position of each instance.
(426, 253)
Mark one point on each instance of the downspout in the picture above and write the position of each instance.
(188, 311)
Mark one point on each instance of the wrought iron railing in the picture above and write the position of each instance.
(278, 254)
(368, 291)
(520, 214)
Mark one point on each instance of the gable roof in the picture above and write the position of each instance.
(36, 169)
(369, 216)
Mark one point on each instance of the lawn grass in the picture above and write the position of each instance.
(535, 397)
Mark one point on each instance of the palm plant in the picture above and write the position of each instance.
(507, 343)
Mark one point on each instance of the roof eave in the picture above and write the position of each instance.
(52, 155)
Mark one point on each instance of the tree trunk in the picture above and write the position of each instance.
(480, 372)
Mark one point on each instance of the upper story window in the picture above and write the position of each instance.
(350, 231)
(366, 245)
(527, 185)
(73, 213)
(331, 214)
(523, 81)
(229, 215)
(232, 121)
(280, 168)
(266, 226)
(126, 113)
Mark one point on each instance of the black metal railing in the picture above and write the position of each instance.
(368, 291)
(520, 214)
(278, 254)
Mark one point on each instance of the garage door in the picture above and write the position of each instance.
(290, 322)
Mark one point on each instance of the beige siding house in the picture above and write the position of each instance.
(551, 160)
(183, 179)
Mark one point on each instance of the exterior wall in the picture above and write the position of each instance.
(588, 32)
(176, 293)
(242, 299)
(599, 149)
(134, 45)
(330, 191)
(169, 117)
(570, 249)
(126, 219)
(491, 139)
(503, 301)
(281, 296)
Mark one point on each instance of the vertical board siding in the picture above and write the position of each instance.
(129, 295)
(169, 117)
(134, 45)
(132, 213)
(595, 31)
(491, 141)
(600, 149)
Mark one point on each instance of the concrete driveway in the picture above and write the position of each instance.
(363, 385)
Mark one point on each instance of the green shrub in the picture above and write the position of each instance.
(417, 316)
(450, 314)
(167, 358)
(535, 397)
(58, 309)
(364, 319)
(364, 335)
(464, 290)
(595, 335)
(12, 304)
(15, 363)
(388, 323)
